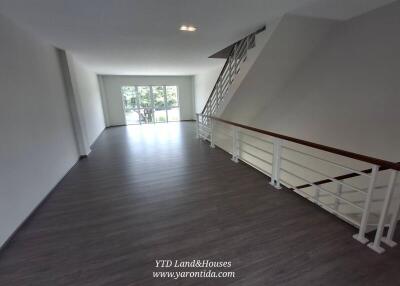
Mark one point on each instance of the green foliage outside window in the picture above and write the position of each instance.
(129, 97)
(145, 100)
(172, 96)
(159, 98)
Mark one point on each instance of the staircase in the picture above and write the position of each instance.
(360, 190)
(236, 57)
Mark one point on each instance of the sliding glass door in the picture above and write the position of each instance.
(130, 100)
(158, 93)
(172, 102)
(150, 104)
(146, 110)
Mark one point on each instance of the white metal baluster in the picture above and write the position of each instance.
(235, 145)
(339, 193)
(230, 70)
(247, 48)
(214, 107)
(197, 126)
(316, 197)
(201, 127)
(276, 164)
(360, 236)
(272, 182)
(213, 103)
(235, 57)
(388, 239)
(212, 122)
(376, 245)
(219, 93)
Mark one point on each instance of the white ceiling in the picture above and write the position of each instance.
(339, 9)
(142, 36)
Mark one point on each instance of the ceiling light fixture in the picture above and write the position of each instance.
(187, 28)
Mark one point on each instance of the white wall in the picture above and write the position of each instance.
(261, 39)
(87, 93)
(203, 85)
(112, 89)
(344, 94)
(37, 145)
(348, 93)
(291, 43)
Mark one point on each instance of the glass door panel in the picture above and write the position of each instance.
(173, 114)
(146, 115)
(144, 97)
(130, 103)
(150, 104)
(172, 96)
(158, 93)
(145, 105)
(172, 99)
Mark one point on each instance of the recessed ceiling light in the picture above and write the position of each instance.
(187, 28)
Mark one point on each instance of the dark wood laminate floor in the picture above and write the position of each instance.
(155, 192)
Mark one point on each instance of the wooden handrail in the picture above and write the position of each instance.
(356, 156)
(339, 178)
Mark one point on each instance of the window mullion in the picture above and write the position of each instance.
(165, 102)
(138, 103)
(152, 103)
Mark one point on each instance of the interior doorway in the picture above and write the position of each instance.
(144, 104)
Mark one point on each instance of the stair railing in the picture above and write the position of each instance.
(237, 56)
(291, 162)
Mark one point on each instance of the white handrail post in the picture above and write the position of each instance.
(388, 239)
(360, 236)
(317, 193)
(197, 126)
(276, 164)
(212, 145)
(376, 245)
(235, 145)
(339, 193)
(272, 182)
